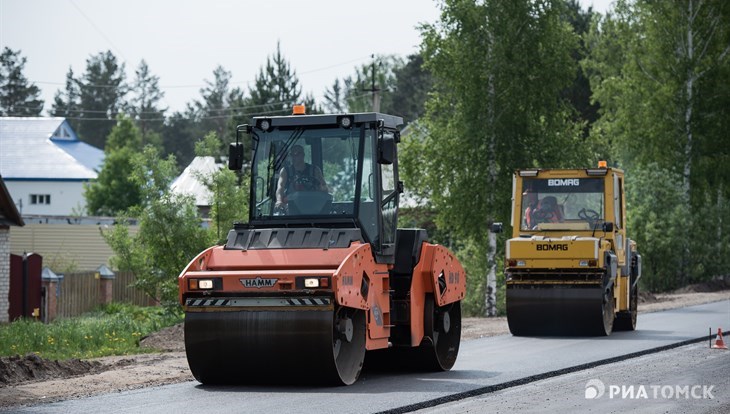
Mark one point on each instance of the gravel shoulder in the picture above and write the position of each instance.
(31, 380)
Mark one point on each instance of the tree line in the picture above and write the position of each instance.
(92, 100)
(497, 86)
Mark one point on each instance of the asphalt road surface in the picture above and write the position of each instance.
(488, 370)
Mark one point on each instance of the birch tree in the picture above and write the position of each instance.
(498, 69)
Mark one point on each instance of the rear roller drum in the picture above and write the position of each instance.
(609, 315)
(626, 320)
(442, 331)
(348, 343)
(438, 349)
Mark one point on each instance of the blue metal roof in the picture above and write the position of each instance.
(45, 149)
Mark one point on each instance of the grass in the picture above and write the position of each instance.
(113, 329)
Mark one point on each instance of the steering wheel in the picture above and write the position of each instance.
(588, 215)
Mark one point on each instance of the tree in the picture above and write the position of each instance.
(334, 100)
(214, 111)
(18, 97)
(100, 92)
(498, 70)
(144, 106)
(412, 83)
(276, 87)
(66, 103)
(170, 232)
(113, 192)
(579, 92)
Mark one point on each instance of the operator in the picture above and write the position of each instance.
(298, 176)
(548, 211)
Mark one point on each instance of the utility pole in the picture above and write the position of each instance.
(373, 89)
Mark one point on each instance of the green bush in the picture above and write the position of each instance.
(114, 329)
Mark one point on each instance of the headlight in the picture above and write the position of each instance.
(311, 282)
(203, 284)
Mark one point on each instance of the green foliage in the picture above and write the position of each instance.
(114, 329)
(18, 97)
(657, 222)
(495, 108)
(113, 192)
(210, 146)
(170, 232)
(659, 70)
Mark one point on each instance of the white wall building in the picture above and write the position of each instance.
(45, 165)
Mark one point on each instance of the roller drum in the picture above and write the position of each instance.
(559, 310)
(267, 346)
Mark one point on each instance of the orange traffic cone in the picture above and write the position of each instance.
(719, 343)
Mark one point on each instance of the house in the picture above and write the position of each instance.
(9, 216)
(188, 183)
(45, 165)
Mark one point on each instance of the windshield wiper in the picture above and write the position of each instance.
(282, 154)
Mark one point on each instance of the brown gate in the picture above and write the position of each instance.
(25, 286)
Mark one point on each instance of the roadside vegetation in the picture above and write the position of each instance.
(113, 329)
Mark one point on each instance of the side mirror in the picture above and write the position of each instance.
(235, 156)
(386, 150)
(496, 228)
(608, 227)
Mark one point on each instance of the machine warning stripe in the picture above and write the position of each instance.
(257, 302)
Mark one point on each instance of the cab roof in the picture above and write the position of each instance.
(389, 121)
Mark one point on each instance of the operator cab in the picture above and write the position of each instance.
(325, 171)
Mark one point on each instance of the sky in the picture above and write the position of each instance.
(183, 41)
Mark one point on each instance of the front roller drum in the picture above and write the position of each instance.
(559, 310)
(276, 347)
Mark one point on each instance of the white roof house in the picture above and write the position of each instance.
(188, 183)
(45, 165)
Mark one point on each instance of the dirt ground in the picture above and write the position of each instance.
(31, 380)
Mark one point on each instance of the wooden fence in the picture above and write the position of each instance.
(81, 292)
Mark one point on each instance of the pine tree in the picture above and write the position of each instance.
(216, 108)
(66, 103)
(144, 106)
(276, 87)
(101, 97)
(18, 97)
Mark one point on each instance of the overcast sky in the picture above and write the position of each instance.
(184, 40)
